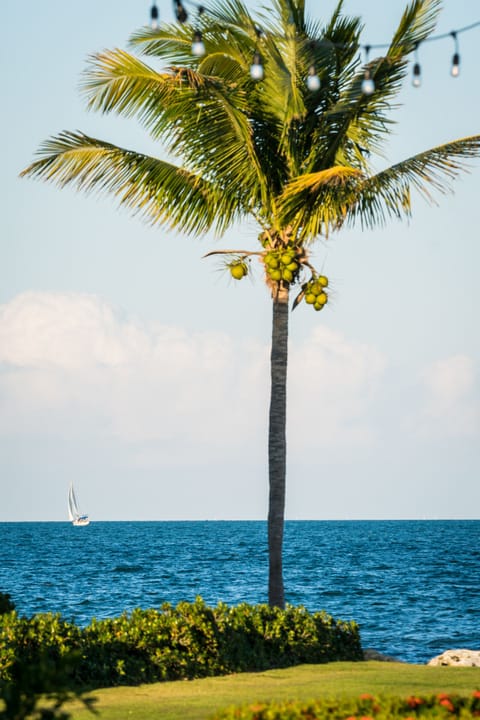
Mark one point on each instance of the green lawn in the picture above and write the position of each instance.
(199, 699)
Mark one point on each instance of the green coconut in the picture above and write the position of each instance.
(238, 270)
(271, 261)
(287, 258)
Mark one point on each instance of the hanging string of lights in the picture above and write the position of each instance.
(313, 80)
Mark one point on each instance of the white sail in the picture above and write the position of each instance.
(74, 514)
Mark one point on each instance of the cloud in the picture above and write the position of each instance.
(451, 392)
(180, 416)
(68, 331)
(334, 384)
(72, 364)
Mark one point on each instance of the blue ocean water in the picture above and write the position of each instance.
(413, 586)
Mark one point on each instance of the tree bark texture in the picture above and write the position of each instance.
(277, 446)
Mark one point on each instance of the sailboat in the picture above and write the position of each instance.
(74, 514)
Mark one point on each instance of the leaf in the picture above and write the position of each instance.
(155, 189)
(298, 299)
(321, 202)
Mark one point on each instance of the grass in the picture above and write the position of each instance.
(200, 699)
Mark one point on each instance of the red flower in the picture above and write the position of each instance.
(447, 704)
(414, 702)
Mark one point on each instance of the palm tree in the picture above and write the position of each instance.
(261, 142)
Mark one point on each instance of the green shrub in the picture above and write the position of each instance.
(37, 663)
(6, 604)
(366, 707)
(190, 640)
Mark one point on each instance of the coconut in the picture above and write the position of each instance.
(238, 270)
(322, 298)
(271, 261)
(310, 298)
(323, 280)
(287, 258)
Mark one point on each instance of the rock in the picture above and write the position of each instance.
(460, 658)
(370, 654)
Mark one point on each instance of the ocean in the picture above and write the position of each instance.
(412, 586)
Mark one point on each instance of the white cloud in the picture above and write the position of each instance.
(72, 364)
(333, 386)
(452, 395)
(69, 331)
(85, 389)
(71, 360)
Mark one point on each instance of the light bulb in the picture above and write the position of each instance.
(417, 79)
(198, 48)
(154, 17)
(455, 71)
(256, 68)
(313, 81)
(368, 86)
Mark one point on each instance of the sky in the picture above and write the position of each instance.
(136, 369)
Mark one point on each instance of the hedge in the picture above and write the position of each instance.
(190, 640)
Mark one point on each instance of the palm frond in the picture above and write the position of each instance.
(417, 23)
(271, 149)
(156, 190)
(187, 110)
(318, 203)
(387, 194)
(358, 120)
(115, 81)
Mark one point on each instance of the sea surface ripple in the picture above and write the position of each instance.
(413, 586)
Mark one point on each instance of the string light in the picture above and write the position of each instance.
(154, 16)
(198, 48)
(417, 71)
(455, 70)
(256, 68)
(313, 80)
(368, 86)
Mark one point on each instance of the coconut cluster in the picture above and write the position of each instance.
(314, 292)
(282, 264)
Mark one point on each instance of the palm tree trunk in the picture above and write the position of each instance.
(277, 446)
